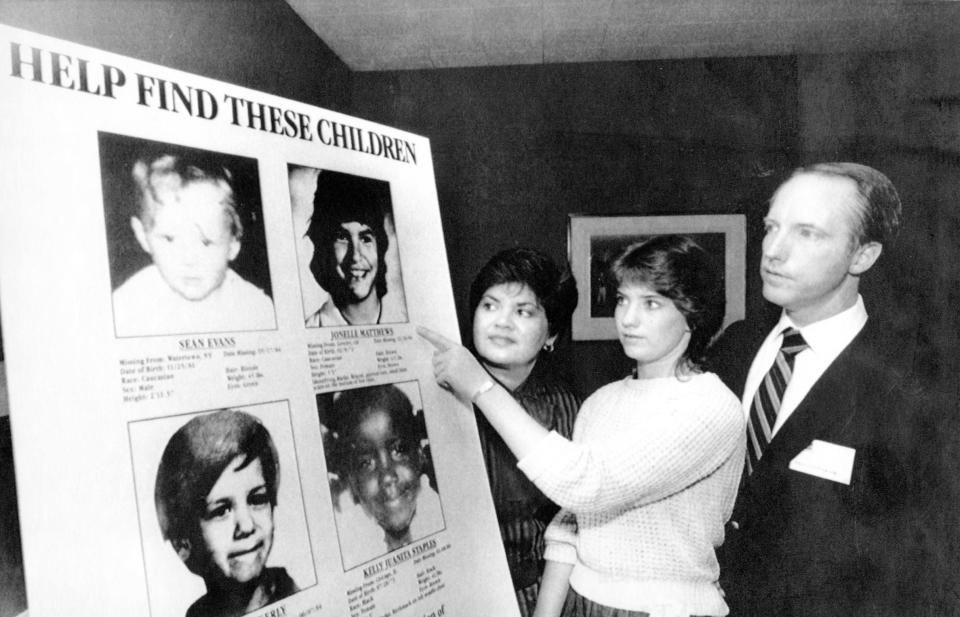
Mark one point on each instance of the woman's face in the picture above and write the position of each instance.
(384, 472)
(236, 526)
(510, 326)
(651, 328)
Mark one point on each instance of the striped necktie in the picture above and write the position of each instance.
(766, 402)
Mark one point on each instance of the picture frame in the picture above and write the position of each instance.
(594, 241)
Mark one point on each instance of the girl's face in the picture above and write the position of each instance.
(236, 527)
(384, 472)
(356, 258)
(652, 330)
(190, 239)
(510, 326)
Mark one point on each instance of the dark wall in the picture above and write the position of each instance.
(900, 113)
(517, 149)
(259, 44)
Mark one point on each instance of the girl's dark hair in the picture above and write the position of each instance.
(678, 268)
(352, 407)
(342, 198)
(554, 286)
(195, 457)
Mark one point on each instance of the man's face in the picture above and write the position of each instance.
(811, 257)
(236, 527)
(357, 262)
(385, 468)
(190, 240)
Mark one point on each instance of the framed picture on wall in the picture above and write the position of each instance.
(593, 242)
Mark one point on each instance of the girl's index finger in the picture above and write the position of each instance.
(436, 339)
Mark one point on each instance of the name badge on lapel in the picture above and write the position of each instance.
(825, 460)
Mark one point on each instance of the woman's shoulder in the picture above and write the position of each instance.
(547, 380)
(695, 387)
(550, 399)
(709, 381)
(709, 394)
(614, 388)
(708, 384)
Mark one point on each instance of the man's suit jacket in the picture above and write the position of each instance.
(802, 545)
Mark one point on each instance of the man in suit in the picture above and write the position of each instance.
(828, 519)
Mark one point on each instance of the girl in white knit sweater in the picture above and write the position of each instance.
(651, 474)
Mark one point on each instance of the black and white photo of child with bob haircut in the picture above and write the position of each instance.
(218, 505)
(178, 222)
(347, 247)
(382, 480)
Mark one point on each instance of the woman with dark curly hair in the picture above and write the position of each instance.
(521, 302)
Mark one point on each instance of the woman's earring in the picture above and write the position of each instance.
(548, 347)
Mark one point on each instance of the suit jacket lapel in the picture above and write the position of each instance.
(825, 412)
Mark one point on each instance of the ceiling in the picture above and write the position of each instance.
(382, 35)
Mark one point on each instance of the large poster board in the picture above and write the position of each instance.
(209, 301)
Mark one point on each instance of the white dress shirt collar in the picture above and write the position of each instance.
(826, 339)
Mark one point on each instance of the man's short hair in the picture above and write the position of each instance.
(878, 204)
(343, 198)
(195, 457)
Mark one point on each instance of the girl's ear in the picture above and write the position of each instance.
(183, 548)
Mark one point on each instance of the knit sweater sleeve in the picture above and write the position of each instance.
(561, 538)
(634, 446)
